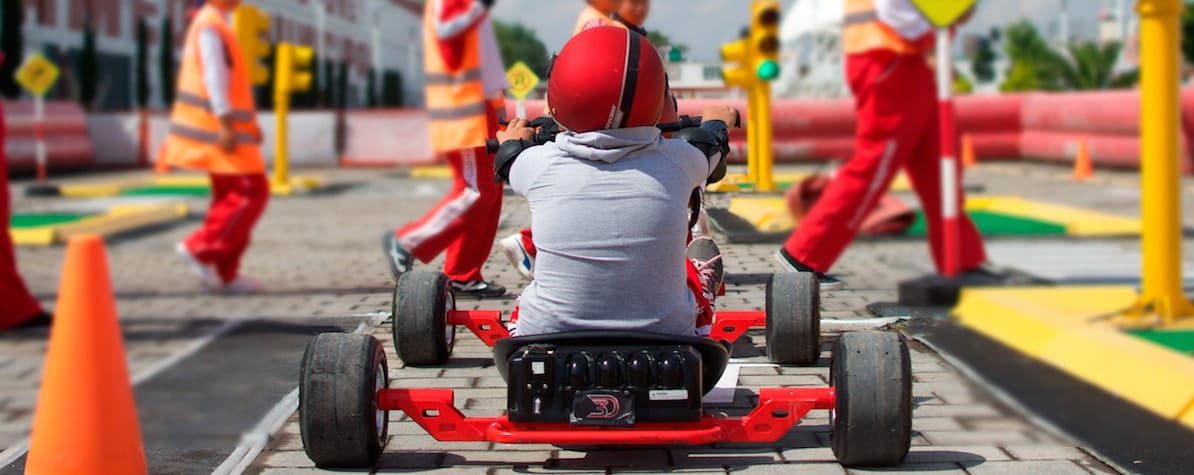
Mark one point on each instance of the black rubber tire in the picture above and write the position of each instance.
(793, 318)
(422, 300)
(872, 419)
(338, 385)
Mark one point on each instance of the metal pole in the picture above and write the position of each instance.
(281, 108)
(752, 138)
(39, 131)
(949, 163)
(764, 181)
(1160, 201)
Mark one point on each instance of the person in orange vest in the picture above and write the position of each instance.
(596, 13)
(895, 94)
(465, 83)
(19, 308)
(213, 127)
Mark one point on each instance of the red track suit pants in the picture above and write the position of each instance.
(16, 304)
(465, 221)
(896, 104)
(237, 201)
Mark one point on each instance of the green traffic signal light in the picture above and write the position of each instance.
(768, 70)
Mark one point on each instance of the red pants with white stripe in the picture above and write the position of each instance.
(237, 202)
(896, 103)
(464, 222)
(16, 304)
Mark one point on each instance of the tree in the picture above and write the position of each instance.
(88, 65)
(12, 43)
(518, 43)
(166, 62)
(982, 63)
(142, 64)
(371, 88)
(1090, 66)
(329, 84)
(342, 85)
(659, 40)
(1083, 66)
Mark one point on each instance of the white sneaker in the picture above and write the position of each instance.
(518, 255)
(208, 277)
(242, 285)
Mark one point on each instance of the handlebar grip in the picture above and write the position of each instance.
(492, 145)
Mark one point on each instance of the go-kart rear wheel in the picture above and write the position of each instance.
(872, 418)
(422, 334)
(340, 377)
(793, 318)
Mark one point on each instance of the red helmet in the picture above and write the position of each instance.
(606, 78)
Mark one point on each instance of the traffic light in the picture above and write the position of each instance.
(251, 26)
(737, 52)
(764, 39)
(293, 69)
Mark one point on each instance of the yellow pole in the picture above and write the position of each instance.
(752, 137)
(281, 108)
(764, 181)
(1159, 171)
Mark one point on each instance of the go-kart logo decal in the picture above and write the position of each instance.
(605, 406)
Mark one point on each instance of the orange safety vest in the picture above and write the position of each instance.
(456, 102)
(192, 141)
(862, 31)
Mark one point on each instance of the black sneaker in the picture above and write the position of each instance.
(705, 255)
(827, 281)
(477, 288)
(398, 259)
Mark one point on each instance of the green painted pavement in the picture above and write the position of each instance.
(33, 220)
(994, 224)
(1178, 340)
(167, 191)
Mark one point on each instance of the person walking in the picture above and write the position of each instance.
(213, 128)
(20, 309)
(465, 83)
(885, 42)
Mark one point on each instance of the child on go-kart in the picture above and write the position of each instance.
(608, 196)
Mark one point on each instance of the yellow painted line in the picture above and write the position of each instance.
(431, 172)
(1077, 221)
(1067, 327)
(766, 214)
(296, 185)
(36, 236)
(122, 218)
(178, 180)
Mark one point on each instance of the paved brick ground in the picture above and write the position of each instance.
(319, 257)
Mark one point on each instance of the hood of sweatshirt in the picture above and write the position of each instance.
(609, 145)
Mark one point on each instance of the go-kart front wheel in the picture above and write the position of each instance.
(872, 416)
(793, 318)
(422, 301)
(340, 377)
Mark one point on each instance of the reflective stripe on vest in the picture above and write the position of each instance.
(456, 106)
(193, 138)
(862, 31)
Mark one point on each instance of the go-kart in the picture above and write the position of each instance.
(598, 388)
(425, 319)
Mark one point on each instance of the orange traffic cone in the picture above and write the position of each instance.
(1083, 168)
(85, 419)
(969, 159)
(159, 164)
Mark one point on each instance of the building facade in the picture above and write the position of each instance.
(368, 36)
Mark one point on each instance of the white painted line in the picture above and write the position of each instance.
(253, 442)
(723, 391)
(15, 451)
(860, 324)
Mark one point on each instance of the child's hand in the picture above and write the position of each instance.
(517, 129)
(725, 114)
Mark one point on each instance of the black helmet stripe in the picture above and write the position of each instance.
(630, 80)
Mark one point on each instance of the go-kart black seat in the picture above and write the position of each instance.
(715, 355)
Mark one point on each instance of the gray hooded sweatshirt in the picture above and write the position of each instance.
(608, 211)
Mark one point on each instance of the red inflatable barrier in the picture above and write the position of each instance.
(1105, 112)
(386, 137)
(67, 142)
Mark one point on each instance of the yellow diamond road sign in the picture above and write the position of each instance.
(943, 13)
(522, 80)
(37, 74)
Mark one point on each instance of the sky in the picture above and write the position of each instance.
(704, 25)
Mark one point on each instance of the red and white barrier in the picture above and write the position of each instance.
(66, 140)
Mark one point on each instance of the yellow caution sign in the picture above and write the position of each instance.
(37, 74)
(943, 13)
(522, 80)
